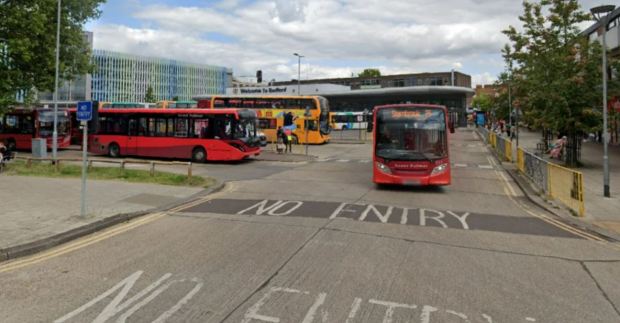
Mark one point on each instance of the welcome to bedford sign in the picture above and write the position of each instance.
(264, 90)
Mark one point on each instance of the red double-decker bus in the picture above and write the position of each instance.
(20, 126)
(410, 145)
(196, 134)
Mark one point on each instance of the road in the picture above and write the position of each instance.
(318, 242)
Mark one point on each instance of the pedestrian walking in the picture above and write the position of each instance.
(280, 138)
(288, 135)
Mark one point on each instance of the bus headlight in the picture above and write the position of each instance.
(439, 169)
(383, 168)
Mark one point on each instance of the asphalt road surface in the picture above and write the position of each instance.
(318, 242)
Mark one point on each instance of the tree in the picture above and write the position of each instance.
(28, 44)
(370, 72)
(556, 77)
(482, 102)
(149, 97)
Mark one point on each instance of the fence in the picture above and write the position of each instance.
(122, 163)
(501, 145)
(555, 181)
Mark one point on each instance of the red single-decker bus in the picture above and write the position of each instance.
(196, 134)
(20, 126)
(410, 145)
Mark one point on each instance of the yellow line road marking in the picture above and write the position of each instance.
(511, 193)
(78, 244)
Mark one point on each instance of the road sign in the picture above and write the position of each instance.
(84, 111)
(360, 118)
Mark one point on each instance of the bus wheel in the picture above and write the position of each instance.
(114, 150)
(344, 128)
(199, 155)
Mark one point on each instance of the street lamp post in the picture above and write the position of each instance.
(601, 14)
(298, 72)
(306, 123)
(55, 132)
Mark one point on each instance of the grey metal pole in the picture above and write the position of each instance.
(84, 167)
(298, 74)
(55, 132)
(606, 192)
(452, 77)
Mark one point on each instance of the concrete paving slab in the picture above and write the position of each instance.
(228, 260)
(553, 247)
(35, 208)
(340, 276)
(606, 275)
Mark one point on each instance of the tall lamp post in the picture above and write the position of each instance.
(298, 72)
(55, 132)
(307, 113)
(601, 14)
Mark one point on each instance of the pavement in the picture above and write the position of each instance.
(599, 210)
(317, 241)
(36, 211)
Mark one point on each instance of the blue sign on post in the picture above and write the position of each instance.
(84, 111)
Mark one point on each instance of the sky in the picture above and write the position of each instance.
(337, 38)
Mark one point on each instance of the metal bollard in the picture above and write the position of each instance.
(122, 167)
(189, 171)
(152, 169)
(29, 163)
(57, 165)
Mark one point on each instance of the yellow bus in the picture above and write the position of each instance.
(177, 104)
(271, 112)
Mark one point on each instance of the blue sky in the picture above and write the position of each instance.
(338, 37)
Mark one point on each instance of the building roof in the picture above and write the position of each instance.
(612, 15)
(424, 89)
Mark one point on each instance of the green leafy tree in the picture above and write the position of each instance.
(149, 97)
(370, 72)
(482, 102)
(556, 74)
(28, 43)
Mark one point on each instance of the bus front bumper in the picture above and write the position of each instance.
(441, 179)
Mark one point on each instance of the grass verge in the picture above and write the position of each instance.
(46, 169)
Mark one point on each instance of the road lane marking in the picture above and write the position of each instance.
(79, 244)
(426, 311)
(118, 304)
(384, 214)
(357, 302)
(510, 192)
(343, 160)
(391, 306)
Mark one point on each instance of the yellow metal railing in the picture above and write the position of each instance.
(520, 160)
(566, 185)
(508, 149)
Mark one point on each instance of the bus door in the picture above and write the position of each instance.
(137, 128)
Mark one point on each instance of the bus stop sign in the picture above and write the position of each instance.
(84, 111)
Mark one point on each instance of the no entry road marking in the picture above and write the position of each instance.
(448, 219)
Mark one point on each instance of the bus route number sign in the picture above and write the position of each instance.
(84, 111)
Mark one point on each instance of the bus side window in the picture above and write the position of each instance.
(142, 126)
(133, 127)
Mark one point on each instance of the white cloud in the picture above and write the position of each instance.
(482, 79)
(338, 37)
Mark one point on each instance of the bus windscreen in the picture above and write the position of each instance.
(411, 133)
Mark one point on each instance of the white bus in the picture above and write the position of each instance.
(347, 120)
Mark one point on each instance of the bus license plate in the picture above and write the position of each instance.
(411, 182)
